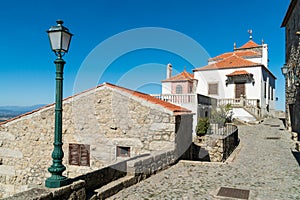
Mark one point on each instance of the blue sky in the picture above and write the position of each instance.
(28, 73)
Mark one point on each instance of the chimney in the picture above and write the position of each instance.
(169, 70)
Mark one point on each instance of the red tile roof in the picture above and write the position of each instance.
(239, 72)
(233, 61)
(243, 54)
(177, 110)
(249, 44)
(183, 76)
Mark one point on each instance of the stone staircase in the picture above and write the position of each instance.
(244, 110)
(242, 115)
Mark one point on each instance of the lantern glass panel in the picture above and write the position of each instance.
(66, 37)
(55, 40)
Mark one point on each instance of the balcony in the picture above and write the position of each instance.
(240, 102)
(250, 105)
(177, 98)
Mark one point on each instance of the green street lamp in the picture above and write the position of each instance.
(284, 70)
(60, 38)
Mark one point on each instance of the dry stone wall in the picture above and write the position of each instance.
(102, 118)
(218, 147)
(92, 185)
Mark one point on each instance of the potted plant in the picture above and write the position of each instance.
(202, 126)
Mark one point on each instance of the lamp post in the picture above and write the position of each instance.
(284, 70)
(60, 38)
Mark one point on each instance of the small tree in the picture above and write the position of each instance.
(221, 114)
(202, 126)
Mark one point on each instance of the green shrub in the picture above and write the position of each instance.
(202, 126)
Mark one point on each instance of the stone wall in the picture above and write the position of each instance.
(103, 118)
(292, 26)
(144, 167)
(292, 55)
(90, 185)
(218, 147)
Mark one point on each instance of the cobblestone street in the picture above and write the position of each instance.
(264, 164)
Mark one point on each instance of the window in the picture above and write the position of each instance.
(213, 88)
(123, 151)
(178, 89)
(79, 154)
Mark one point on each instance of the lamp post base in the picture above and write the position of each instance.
(56, 181)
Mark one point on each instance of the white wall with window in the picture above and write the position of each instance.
(253, 90)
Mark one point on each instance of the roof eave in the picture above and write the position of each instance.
(190, 80)
(231, 67)
(288, 13)
(239, 48)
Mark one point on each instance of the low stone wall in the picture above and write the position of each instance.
(88, 186)
(218, 147)
(144, 167)
(73, 191)
(101, 177)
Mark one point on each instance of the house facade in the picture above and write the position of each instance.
(101, 126)
(240, 78)
(291, 23)
(183, 83)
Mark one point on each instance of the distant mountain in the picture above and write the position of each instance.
(21, 108)
(7, 112)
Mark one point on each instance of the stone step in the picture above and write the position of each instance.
(114, 187)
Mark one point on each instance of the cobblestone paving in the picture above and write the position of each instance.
(266, 167)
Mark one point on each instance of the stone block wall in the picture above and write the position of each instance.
(292, 26)
(221, 147)
(145, 166)
(102, 118)
(218, 147)
(292, 93)
(136, 169)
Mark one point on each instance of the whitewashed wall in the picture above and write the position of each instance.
(253, 91)
(166, 88)
(219, 76)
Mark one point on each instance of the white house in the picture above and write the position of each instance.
(241, 78)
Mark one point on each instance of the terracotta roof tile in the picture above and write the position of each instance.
(239, 72)
(233, 61)
(249, 44)
(243, 54)
(183, 76)
(176, 109)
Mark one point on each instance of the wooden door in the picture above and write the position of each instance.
(239, 89)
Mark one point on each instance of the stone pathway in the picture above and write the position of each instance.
(264, 166)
